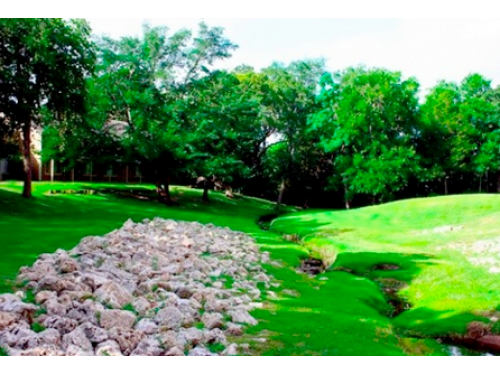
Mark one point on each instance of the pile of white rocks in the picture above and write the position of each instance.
(159, 287)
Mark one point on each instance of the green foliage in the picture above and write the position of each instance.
(368, 119)
(37, 327)
(43, 66)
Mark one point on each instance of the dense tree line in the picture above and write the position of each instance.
(291, 133)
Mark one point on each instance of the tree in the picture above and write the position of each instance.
(145, 82)
(368, 119)
(459, 142)
(221, 120)
(43, 63)
(293, 90)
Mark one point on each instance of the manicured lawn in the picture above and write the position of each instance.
(446, 249)
(336, 313)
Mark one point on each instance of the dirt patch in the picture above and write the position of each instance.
(390, 287)
(386, 267)
(312, 266)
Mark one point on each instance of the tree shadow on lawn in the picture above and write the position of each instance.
(337, 313)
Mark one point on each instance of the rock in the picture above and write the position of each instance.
(128, 339)
(12, 304)
(193, 336)
(141, 305)
(117, 318)
(95, 334)
(184, 293)
(168, 339)
(54, 308)
(212, 320)
(232, 349)
(40, 351)
(234, 329)
(147, 326)
(174, 351)
(200, 351)
(242, 316)
(52, 283)
(6, 319)
(215, 336)
(108, 348)
(45, 295)
(476, 330)
(148, 347)
(78, 339)
(77, 351)
(163, 268)
(63, 325)
(169, 317)
(114, 295)
(50, 337)
(20, 337)
(68, 265)
(490, 342)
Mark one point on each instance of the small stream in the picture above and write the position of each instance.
(458, 351)
(389, 288)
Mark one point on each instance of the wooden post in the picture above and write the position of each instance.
(51, 170)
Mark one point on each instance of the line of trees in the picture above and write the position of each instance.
(291, 133)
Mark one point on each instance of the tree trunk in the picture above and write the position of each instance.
(347, 201)
(163, 191)
(498, 183)
(204, 197)
(446, 186)
(281, 192)
(27, 158)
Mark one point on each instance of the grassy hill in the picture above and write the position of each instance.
(334, 313)
(445, 251)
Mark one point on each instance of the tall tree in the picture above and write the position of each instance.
(368, 119)
(145, 82)
(43, 63)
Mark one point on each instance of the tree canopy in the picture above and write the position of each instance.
(294, 133)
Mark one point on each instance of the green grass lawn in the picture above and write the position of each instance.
(336, 313)
(446, 249)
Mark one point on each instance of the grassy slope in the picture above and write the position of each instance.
(342, 314)
(444, 288)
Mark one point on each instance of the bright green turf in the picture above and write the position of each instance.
(343, 314)
(445, 289)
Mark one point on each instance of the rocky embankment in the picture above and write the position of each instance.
(158, 287)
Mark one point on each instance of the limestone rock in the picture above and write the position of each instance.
(212, 320)
(200, 351)
(147, 326)
(50, 337)
(242, 316)
(232, 349)
(127, 338)
(95, 334)
(175, 351)
(117, 318)
(78, 339)
(108, 348)
(113, 295)
(148, 347)
(169, 317)
(6, 319)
